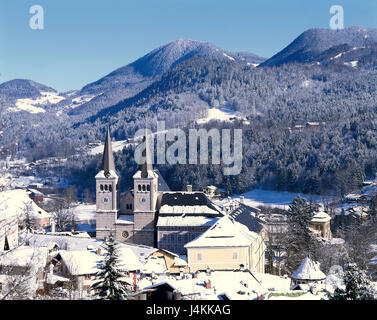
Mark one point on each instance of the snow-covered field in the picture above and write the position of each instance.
(34, 105)
(222, 114)
(116, 145)
(279, 199)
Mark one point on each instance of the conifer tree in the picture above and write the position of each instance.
(357, 285)
(300, 241)
(110, 285)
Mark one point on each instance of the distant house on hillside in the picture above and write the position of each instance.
(235, 241)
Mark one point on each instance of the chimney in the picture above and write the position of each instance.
(53, 226)
(242, 199)
(229, 198)
(207, 284)
(189, 188)
(98, 251)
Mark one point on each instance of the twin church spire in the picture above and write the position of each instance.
(108, 157)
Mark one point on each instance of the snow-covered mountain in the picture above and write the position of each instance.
(131, 79)
(312, 43)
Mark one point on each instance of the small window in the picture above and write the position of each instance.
(106, 187)
(130, 206)
(127, 206)
(110, 188)
(143, 187)
(101, 187)
(200, 256)
(235, 255)
(148, 187)
(139, 187)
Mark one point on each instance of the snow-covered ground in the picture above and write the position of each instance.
(278, 199)
(116, 145)
(34, 105)
(85, 212)
(222, 114)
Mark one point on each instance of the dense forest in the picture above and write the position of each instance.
(334, 157)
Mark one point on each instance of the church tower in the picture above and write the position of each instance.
(106, 193)
(145, 199)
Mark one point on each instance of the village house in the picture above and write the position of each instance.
(320, 224)
(235, 241)
(26, 265)
(81, 267)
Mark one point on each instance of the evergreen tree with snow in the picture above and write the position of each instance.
(110, 285)
(357, 285)
(300, 241)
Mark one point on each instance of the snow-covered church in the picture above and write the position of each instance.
(150, 214)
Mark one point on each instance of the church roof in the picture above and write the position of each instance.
(184, 202)
(108, 157)
(162, 185)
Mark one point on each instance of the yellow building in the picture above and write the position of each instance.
(236, 241)
(320, 224)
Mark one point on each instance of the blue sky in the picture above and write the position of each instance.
(84, 40)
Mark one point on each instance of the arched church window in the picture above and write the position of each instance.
(110, 187)
(131, 206)
(143, 187)
(139, 187)
(148, 187)
(105, 187)
(127, 206)
(101, 187)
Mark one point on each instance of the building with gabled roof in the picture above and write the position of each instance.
(235, 241)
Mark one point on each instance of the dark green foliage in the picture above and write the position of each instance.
(357, 285)
(110, 284)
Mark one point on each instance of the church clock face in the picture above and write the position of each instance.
(105, 200)
(143, 200)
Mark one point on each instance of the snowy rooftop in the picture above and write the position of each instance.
(308, 270)
(101, 174)
(321, 216)
(25, 256)
(75, 243)
(17, 202)
(125, 219)
(87, 262)
(184, 221)
(238, 228)
(239, 285)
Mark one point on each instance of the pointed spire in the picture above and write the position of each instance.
(147, 165)
(108, 157)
